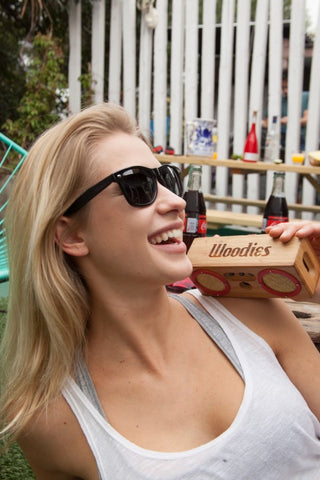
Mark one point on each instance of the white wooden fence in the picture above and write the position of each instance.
(194, 76)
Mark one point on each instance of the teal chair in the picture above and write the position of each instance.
(12, 158)
(13, 465)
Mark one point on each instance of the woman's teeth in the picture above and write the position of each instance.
(165, 236)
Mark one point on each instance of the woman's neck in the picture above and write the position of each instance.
(139, 329)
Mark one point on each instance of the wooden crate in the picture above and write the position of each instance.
(254, 266)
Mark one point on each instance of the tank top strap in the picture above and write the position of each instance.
(212, 327)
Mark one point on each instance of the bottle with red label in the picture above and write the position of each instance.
(251, 152)
(276, 209)
(195, 224)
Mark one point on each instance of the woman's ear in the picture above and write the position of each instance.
(70, 239)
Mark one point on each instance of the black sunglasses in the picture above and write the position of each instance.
(138, 184)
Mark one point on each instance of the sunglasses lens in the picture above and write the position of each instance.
(139, 186)
(170, 178)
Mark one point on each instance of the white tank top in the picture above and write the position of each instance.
(274, 436)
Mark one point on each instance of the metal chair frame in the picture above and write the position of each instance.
(11, 147)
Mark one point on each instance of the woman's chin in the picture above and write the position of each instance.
(183, 274)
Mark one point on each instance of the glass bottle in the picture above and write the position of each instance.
(276, 209)
(271, 151)
(250, 153)
(195, 224)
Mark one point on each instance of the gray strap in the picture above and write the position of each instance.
(85, 383)
(214, 330)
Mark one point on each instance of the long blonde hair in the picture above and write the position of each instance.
(48, 304)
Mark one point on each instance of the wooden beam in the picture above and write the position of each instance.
(239, 165)
(218, 217)
(297, 207)
(309, 316)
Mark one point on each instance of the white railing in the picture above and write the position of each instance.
(214, 71)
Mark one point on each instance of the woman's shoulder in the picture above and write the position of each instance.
(54, 445)
(269, 318)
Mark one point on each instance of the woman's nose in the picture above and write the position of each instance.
(167, 199)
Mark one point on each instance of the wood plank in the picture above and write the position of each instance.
(97, 55)
(225, 92)
(259, 203)
(145, 66)
(115, 56)
(308, 314)
(207, 90)
(74, 67)
(295, 86)
(129, 56)
(295, 79)
(176, 75)
(241, 88)
(239, 164)
(191, 62)
(274, 73)
(313, 125)
(257, 86)
(208, 59)
(160, 76)
(275, 61)
(224, 217)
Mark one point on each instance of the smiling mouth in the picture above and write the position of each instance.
(165, 238)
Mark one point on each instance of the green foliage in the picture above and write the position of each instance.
(44, 98)
(13, 465)
(87, 90)
(12, 74)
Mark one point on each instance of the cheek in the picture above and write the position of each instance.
(122, 230)
(115, 240)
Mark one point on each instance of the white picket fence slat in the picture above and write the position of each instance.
(74, 67)
(177, 75)
(241, 89)
(295, 83)
(97, 55)
(313, 127)
(207, 86)
(145, 73)
(115, 59)
(275, 71)
(214, 71)
(129, 55)
(160, 78)
(208, 40)
(224, 95)
(257, 86)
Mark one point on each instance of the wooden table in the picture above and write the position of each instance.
(238, 166)
(216, 218)
(308, 314)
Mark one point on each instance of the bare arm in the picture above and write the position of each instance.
(275, 323)
(298, 356)
(55, 446)
(304, 118)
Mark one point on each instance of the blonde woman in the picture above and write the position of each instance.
(107, 376)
